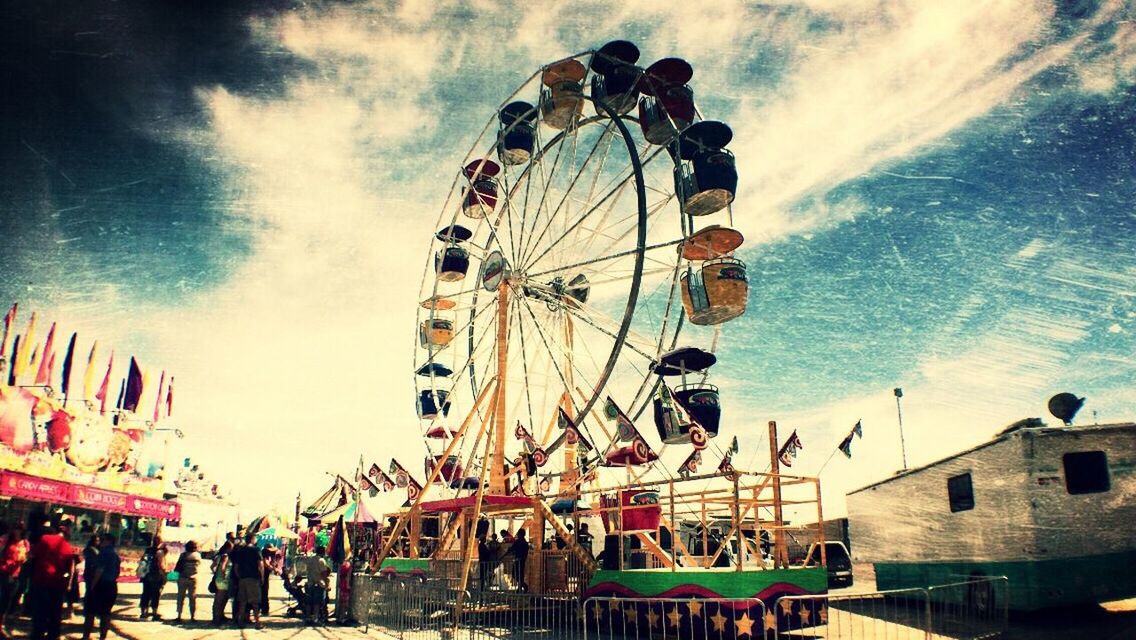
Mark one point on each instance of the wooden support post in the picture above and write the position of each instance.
(780, 552)
(401, 523)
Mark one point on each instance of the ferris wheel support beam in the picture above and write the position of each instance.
(413, 511)
(497, 470)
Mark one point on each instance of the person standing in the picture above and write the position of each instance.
(319, 579)
(268, 555)
(483, 563)
(153, 578)
(221, 584)
(102, 588)
(90, 554)
(186, 568)
(520, 551)
(52, 561)
(250, 571)
(12, 559)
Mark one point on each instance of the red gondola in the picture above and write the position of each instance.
(668, 103)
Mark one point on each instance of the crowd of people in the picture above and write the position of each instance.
(43, 576)
(40, 576)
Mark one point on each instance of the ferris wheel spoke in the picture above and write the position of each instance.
(605, 136)
(547, 346)
(546, 179)
(615, 256)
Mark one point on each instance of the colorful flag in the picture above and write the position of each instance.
(366, 484)
(572, 433)
(690, 465)
(170, 398)
(12, 362)
(158, 399)
(790, 448)
(625, 429)
(726, 466)
(43, 374)
(845, 446)
(101, 394)
(50, 369)
(89, 374)
(23, 358)
(133, 387)
(68, 359)
(9, 321)
(377, 475)
(338, 546)
(402, 478)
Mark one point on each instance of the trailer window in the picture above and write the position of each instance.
(960, 492)
(1086, 472)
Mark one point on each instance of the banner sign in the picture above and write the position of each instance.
(19, 485)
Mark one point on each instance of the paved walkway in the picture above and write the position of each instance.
(127, 625)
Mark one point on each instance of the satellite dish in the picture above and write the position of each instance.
(1064, 406)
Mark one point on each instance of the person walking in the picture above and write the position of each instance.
(520, 552)
(250, 571)
(102, 588)
(221, 584)
(186, 568)
(153, 578)
(12, 559)
(52, 561)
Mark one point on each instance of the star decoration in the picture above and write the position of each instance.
(719, 621)
(823, 614)
(652, 618)
(804, 613)
(597, 609)
(770, 621)
(631, 614)
(613, 605)
(786, 605)
(744, 625)
(674, 616)
(695, 608)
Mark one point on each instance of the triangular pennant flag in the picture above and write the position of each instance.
(9, 322)
(22, 360)
(101, 394)
(158, 399)
(89, 374)
(625, 429)
(858, 430)
(68, 359)
(170, 397)
(572, 433)
(43, 375)
(133, 387)
(846, 446)
(690, 465)
(12, 362)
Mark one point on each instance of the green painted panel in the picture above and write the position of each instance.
(1035, 584)
(406, 565)
(725, 583)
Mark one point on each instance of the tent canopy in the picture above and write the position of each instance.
(353, 511)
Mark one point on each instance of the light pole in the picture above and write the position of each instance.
(899, 409)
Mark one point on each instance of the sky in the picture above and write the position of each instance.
(936, 196)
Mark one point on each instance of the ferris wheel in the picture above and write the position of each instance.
(578, 279)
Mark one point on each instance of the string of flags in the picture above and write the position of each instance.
(402, 478)
(845, 446)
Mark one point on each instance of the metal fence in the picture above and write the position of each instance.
(677, 618)
(972, 609)
(414, 608)
(411, 609)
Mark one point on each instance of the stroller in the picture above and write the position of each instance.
(295, 588)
